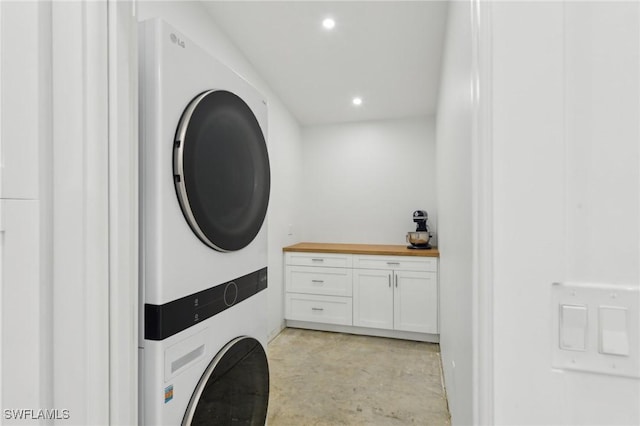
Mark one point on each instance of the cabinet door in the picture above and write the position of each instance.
(416, 301)
(21, 285)
(373, 298)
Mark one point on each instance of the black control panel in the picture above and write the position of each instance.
(162, 321)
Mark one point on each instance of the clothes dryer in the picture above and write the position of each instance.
(204, 186)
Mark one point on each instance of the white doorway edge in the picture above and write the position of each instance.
(482, 214)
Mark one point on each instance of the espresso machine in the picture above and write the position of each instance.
(419, 239)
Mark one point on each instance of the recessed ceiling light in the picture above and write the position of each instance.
(329, 23)
(357, 101)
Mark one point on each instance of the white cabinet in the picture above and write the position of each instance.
(405, 263)
(316, 280)
(319, 288)
(325, 260)
(385, 295)
(415, 301)
(396, 299)
(323, 309)
(373, 298)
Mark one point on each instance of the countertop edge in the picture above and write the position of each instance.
(373, 249)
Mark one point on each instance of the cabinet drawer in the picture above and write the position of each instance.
(398, 263)
(323, 281)
(324, 309)
(330, 260)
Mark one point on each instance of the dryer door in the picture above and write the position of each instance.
(221, 170)
(234, 388)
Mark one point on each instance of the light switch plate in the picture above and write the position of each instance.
(596, 297)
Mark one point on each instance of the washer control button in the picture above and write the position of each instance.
(230, 293)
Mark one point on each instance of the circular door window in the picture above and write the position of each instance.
(221, 170)
(234, 388)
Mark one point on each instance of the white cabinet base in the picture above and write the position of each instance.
(393, 334)
(378, 295)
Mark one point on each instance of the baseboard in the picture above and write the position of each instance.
(274, 333)
(393, 334)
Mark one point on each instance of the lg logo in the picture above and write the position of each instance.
(176, 40)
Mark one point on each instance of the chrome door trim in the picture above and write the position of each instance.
(195, 398)
(178, 169)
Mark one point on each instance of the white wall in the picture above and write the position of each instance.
(566, 195)
(363, 180)
(193, 19)
(454, 136)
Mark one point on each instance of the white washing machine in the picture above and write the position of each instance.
(205, 184)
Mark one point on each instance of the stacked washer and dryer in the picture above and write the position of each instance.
(205, 184)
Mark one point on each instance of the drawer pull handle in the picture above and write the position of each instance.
(393, 263)
(317, 260)
(317, 281)
(317, 309)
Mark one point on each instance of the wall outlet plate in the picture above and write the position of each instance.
(595, 296)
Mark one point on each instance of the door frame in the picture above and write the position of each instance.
(94, 208)
(122, 32)
(114, 266)
(482, 214)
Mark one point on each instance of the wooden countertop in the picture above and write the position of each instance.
(379, 249)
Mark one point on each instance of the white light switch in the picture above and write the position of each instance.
(614, 337)
(573, 327)
(596, 328)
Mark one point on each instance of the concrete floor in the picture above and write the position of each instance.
(321, 378)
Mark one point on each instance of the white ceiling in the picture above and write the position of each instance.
(387, 52)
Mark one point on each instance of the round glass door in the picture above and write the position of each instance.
(221, 170)
(234, 388)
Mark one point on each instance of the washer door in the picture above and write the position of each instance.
(234, 388)
(221, 170)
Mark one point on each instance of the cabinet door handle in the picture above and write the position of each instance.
(389, 280)
(317, 309)
(317, 281)
(396, 277)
